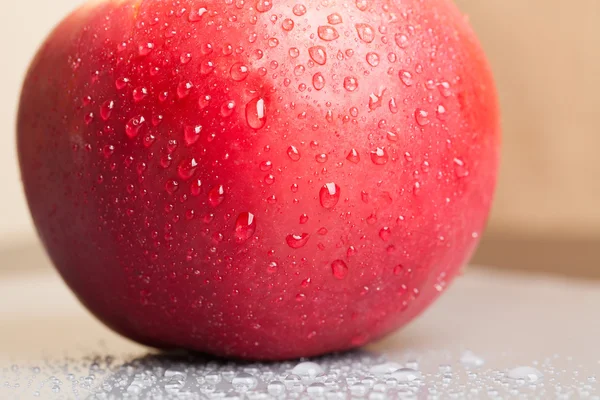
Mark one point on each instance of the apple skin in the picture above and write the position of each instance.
(170, 151)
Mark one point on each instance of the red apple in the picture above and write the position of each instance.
(259, 179)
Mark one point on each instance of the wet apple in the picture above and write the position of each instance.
(259, 179)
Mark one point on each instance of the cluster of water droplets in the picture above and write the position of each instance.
(353, 375)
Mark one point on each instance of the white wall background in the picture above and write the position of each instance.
(24, 26)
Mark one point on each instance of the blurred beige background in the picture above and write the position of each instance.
(546, 58)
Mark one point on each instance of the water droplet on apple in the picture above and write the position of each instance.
(327, 33)
(264, 5)
(406, 77)
(385, 233)
(216, 195)
(196, 14)
(293, 153)
(287, 24)
(401, 40)
(238, 72)
(207, 67)
(365, 32)
(422, 117)
(318, 81)
(145, 49)
(329, 195)
(299, 10)
(171, 186)
(379, 156)
(120, 83)
(184, 89)
(350, 83)
(245, 226)
(297, 241)
(321, 158)
(334, 19)
(187, 167)
(191, 134)
(256, 113)
(106, 109)
(460, 169)
(227, 108)
(339, 269)
(373, 59)
(318, 54)
(132, 128)
(353, 156)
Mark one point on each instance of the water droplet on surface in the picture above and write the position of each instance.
(132, 128)
(307, 369)
(350, 83)
(470, 360)
(406, 375)
(293, 153)
(353, 156)
(299, 10)
(318, 81)
(339, 269)
(526, 373)
(245, 226)
(329, 195)
(216, 195)
(379, 156)
(297, 241)
(243, 382)
(316, 390)
(256, 113)
(327, 33)
(303, 219)
(318, 54)
(385, 368)
(365, 32)
(275, 388)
